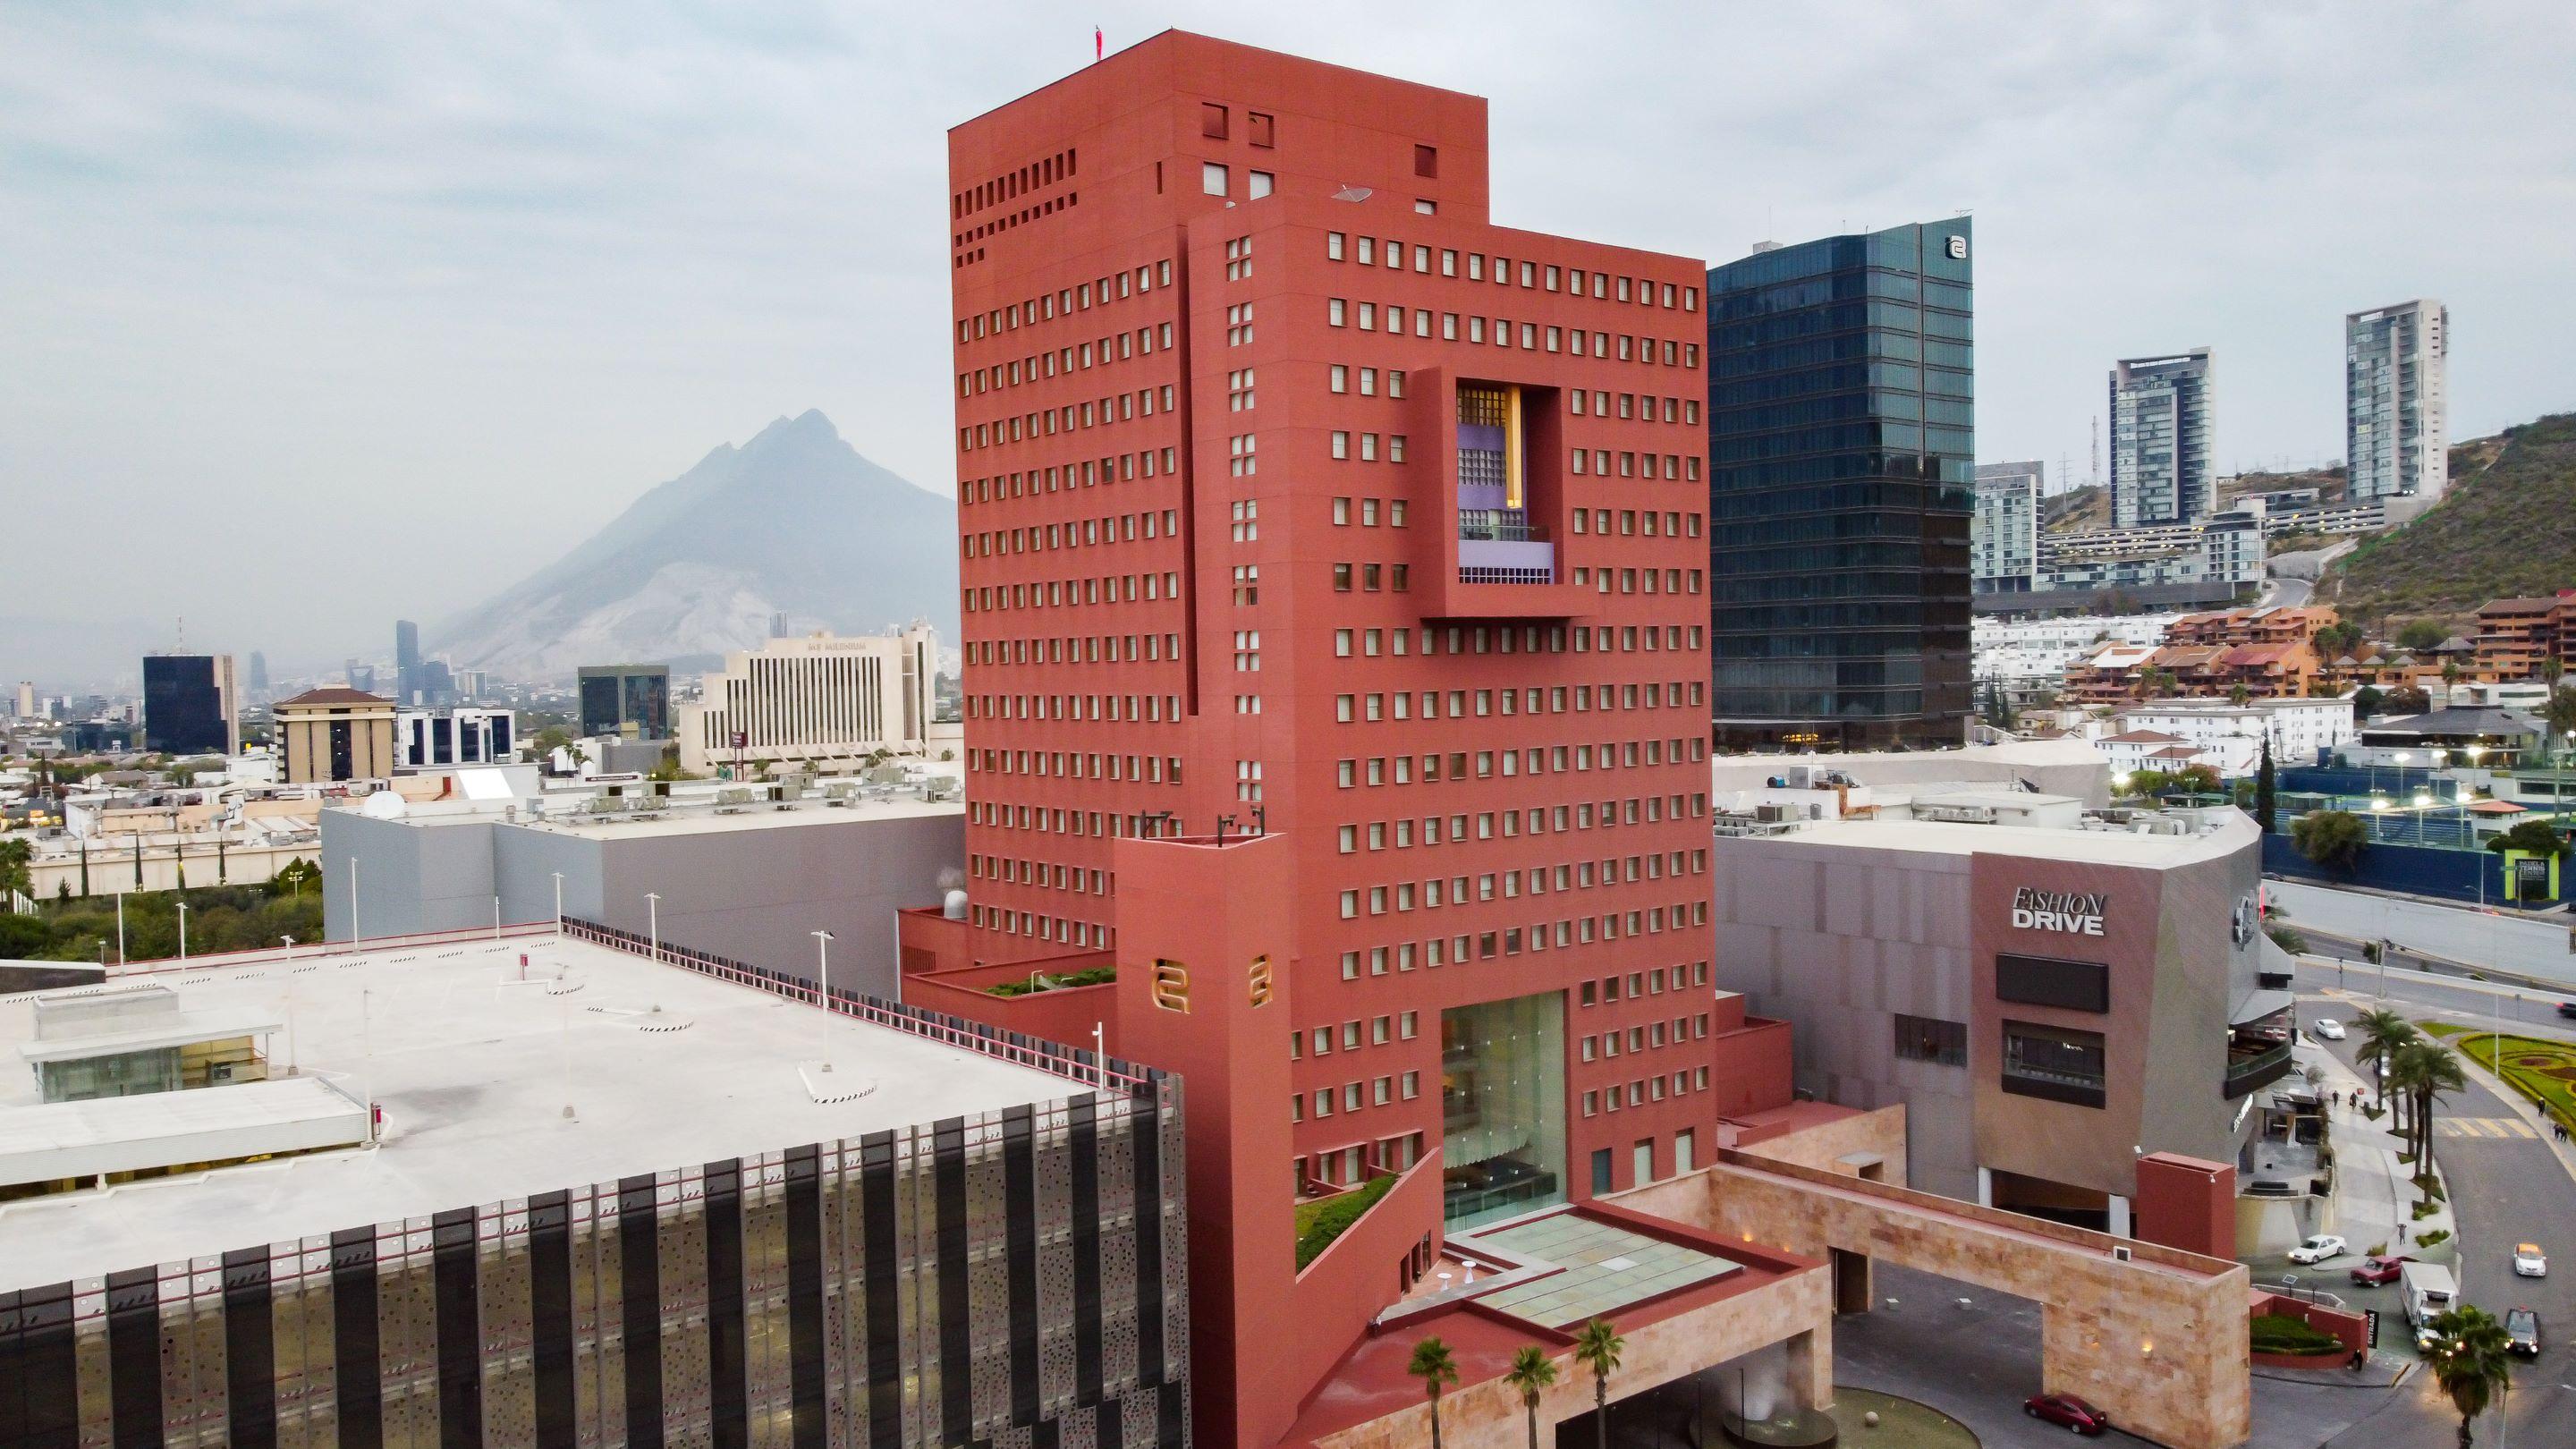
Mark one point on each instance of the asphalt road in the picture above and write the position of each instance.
(2535, 946)
(2505, 1188)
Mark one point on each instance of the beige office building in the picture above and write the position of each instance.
(336, 734)
(822, 700)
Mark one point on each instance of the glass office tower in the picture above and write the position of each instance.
(188, 706)
(1842, 449)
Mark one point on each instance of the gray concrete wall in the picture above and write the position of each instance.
(758, 895)
(1838, 942)
(411, 878)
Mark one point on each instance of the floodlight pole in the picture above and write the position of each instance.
(355, 936)
(558, 906)
(120, 928)
(823, 992)
(183, 933)
(496, 918)
(653, 912)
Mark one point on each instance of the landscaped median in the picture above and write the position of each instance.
(2544, 1071)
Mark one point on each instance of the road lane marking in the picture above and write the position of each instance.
(2483, 1127)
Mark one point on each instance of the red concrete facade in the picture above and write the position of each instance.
(1296, 497)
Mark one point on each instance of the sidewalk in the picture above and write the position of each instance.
(2374, 1193)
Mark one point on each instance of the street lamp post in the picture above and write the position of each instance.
(558, 905)
(823, 993)
(120, 928)
(183, 933)
(653, 914)
(355, 935)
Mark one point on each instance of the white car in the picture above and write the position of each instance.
(2529, 1261)
(2327, 1027)
(2318, 1249)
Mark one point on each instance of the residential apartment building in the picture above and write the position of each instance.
(190, 706)
(823, 700)
(2396, 370)
(2003, 537)
(1842, 449)
(2227, 737)
(1311, 520)
(2163, 438)
(2026, 659)
(2517, 638)
(2225, 550)
(2279, 624)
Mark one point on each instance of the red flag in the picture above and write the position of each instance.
(1095, 42)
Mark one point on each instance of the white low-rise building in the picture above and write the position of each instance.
(2224, 736)
(2027, 658)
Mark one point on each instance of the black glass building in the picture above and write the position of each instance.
(188, 705)
(1842, 459)
(633, 700)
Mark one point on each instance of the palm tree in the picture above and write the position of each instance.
(1598, 1348)
(1433, 1365)
(2472, 1363)
(2425, 1070)
(1531, 1373)
(2382, 1033)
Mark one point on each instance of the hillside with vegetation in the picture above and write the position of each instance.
(2506, 529)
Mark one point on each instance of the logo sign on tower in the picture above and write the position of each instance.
(2076, 913)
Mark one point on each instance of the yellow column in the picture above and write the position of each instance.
(1514, 494)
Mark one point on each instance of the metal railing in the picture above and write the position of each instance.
(1499, 525)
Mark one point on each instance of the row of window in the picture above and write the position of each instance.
(1643, 291)
(1575, 931)
(1115, 468)
(1636, 1094)
(1042, 926)
(1377, 708)
(1631, 347)
(1070, 358)
(1075, 765)
(1050, 422)
(1086, 648)
(1679, 467)
(1607, 1045)
(1632, 522)
(1103, 708)
(1438, 892)
(1394, 1026)
(1409, 1085)
(1045, 171)
(1064, 302)
(1081, 533)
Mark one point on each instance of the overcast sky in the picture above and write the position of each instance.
(313, 315)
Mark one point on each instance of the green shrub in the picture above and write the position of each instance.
(2438, 1235)
(1321, 1221)
(2280, 1333)
(1040, 981)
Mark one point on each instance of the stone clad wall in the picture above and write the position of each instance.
(1822, 1146)
(2158, 1341)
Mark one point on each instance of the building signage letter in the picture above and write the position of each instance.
(2075, 913)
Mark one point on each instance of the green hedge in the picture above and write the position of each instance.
(2280, 1333)
(1321, 1221)
(1040, 981)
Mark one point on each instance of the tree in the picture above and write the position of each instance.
(2473, 1362)
(2560, 714)
(2331, 839)
(2532, 837)
(2406, 699)
(1598, 1348)
(2550, 669)
(2425, 1071)
(1433, 1365)
(1531, 1373)
(1998, 710)
(2266, 807)
(2420, 635)
(294, 876)
(2239, 693)
(15, 875)
(2382, 1032)
(2366, 701)
(2155, 682)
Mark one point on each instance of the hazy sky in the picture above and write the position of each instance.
(312, 315)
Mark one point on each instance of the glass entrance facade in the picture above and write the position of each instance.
(1502, 1101)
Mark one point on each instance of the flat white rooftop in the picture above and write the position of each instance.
(473, 1067)
(2104, 847)
(697, 819)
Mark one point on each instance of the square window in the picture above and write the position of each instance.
(1212, 178)
(1260, 128)
(1260, 184)
(1212, 121)
(1426, 161)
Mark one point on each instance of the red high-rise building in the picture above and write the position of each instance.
(1297, 497)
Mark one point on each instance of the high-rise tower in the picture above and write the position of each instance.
(2164, 436)
(2396, 369)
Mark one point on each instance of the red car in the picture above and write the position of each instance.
(2380, 1270)
(2067, 1409)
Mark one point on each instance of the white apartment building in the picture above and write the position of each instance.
(2163, 437)
(432, 739)
(2003, 533)
(822, 700)
(2027, 658)
(2226, 737)
(2397, 438)
(2225, 548)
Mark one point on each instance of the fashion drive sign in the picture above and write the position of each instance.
(2074, 912)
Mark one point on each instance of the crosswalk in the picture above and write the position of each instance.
(2483, 1127)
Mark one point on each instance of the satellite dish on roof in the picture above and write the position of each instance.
(1353, 193)
(383, 805)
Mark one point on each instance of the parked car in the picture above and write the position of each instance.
(2327, 1027)
(2317, 1249)
(2522, 1332)
(2067, 1409)
(2380, 1270)
(2529, 1261)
